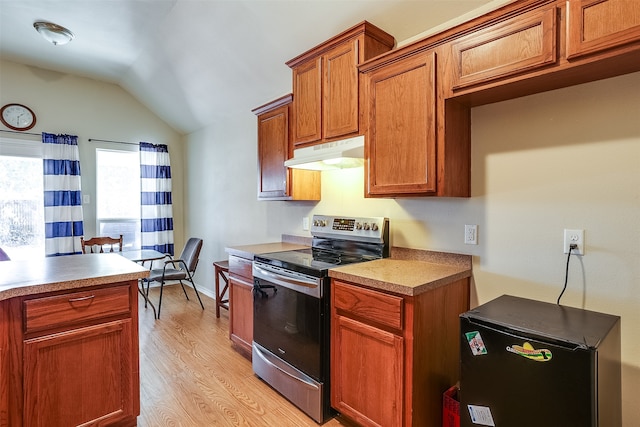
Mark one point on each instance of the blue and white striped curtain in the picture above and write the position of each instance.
(155, 198)
(62, 195)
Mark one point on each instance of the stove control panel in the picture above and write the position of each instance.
(368, 229)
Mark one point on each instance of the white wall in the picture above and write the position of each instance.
(91, 110)
(568, 158)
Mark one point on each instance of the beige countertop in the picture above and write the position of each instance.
(20, 278)
(408, 271)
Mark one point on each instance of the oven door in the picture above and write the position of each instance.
(288, 317)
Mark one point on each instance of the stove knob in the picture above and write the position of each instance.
(315, 223)
(374, 226)
(358, 226)
(366, 226)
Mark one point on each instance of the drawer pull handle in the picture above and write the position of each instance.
(82, 298)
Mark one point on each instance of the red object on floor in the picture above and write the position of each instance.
(451, 408)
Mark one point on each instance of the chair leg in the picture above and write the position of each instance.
(160, 302)
(146, 294)
(195, 289)
(197, 294)
(184, 290)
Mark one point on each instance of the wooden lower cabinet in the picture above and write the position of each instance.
(241, 304)
(72, 358)
(79, 377)
(393, 356)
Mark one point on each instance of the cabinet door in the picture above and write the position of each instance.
(367, 372)
(402, 128)
(81, 376)
(241, 313)
(522, 43)
(307, 98)
(273, 146)
(340, 90)
(595, 25)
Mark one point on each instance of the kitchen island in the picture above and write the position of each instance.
(69, 341)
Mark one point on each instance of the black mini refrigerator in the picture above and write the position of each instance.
(527, 363)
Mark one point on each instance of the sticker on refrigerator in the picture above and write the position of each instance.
(481, 415)
(476, 343)
(526, 350)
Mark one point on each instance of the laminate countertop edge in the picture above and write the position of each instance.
(23, 278)
(407, 272)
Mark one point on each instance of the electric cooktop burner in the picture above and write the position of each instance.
(337, 241)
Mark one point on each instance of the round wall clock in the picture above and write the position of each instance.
(17, 117)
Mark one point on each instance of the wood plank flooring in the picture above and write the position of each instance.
(191, 376)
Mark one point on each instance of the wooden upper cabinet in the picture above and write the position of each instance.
(275, 180)
(325, 84)
(340, 95)
(307, 87)
(400, 139)
(522, 43)
(596, 25)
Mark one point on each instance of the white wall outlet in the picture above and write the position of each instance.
(470, 234)
(86, 199)
(305, 223)
(574, 237)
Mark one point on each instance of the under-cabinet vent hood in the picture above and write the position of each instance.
(346, 153)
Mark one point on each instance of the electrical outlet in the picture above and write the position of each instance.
(574, 237)
(305, 223)
(470, 234)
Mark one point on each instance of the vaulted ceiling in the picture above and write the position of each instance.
(193, 62)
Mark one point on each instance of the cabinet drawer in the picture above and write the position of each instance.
(370, 305)
(68, 309)
(519, 44)
(241, 267)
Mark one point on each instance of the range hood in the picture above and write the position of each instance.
(343, 154)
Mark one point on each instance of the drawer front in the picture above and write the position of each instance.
(515, 45)
(241, 267)
(68, 309)
(369, 305)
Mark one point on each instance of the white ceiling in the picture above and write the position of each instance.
(194, 62)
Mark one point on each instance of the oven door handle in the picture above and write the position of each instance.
(309, 287)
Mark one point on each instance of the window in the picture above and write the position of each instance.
(118, 195)
(21, 199)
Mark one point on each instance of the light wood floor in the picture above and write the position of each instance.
(191, 376)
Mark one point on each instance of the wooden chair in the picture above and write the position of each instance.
(95, 242)
(221, 271)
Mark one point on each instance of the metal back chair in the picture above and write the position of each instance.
(180, 269)
(100, 242)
